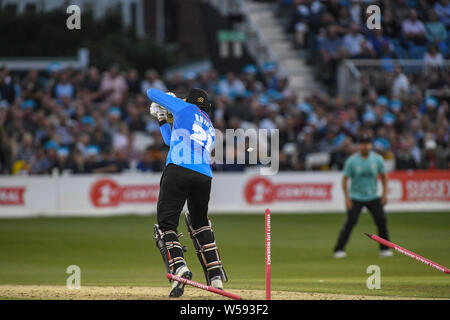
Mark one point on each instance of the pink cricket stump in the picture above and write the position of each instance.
(267, 236)
(203, 286)
(409, 253)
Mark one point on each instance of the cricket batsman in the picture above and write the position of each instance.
(363, 168)
(186, 177)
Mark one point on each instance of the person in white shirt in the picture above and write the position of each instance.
(413, 29)
(231, 86)
(152, 82)
(400, 86)
(433, 58)
(114, 86)
(355, 44)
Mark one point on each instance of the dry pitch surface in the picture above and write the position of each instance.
(159, 293)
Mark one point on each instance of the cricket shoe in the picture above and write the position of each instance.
(178, 287)
(340, 254)
(386, 253)
(216, 282)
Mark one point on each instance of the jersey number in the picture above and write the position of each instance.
(201, 136)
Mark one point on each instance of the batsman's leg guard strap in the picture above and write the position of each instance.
(199, 230)
(177, 261)
(209, 247)
(214, 265)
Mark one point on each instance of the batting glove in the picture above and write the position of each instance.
(160, 112)
(154, 109)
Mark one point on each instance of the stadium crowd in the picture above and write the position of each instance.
(91, 122)
(98, 121)
(338, 29)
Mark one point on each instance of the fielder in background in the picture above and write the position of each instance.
(186, 177)
(363, 169)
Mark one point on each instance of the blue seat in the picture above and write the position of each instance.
(412, 3)
(417, 52)
(444, 47)
(399, 50)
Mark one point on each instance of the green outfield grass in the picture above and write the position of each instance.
(121, 251)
